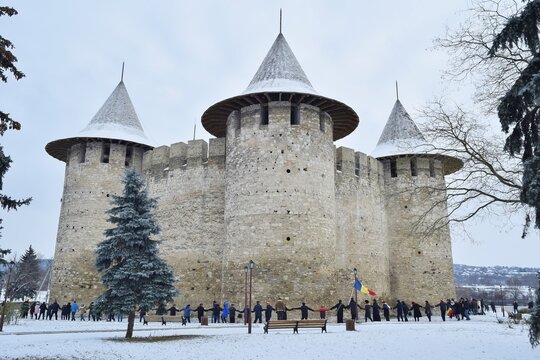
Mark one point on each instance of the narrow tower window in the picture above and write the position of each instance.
(264, 115)
(321, 121)
(431, 168)
(393, 168)
(414, 167)
(129, 155)
(105, 153)
(82, 154)
(295, 115)
(357, 165)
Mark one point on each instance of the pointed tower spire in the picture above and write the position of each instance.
(115, 120)
(122, 77)
(280, 77)
(280, 18)
(401, 136)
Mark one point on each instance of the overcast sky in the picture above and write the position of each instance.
(183, 56)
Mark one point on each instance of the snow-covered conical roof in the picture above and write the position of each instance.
(280, 71)
(401, 136)
(280, 77)
(115, 120)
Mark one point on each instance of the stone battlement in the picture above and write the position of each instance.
(195, 153)
(350, 162)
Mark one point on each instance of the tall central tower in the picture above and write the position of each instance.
(280, 189)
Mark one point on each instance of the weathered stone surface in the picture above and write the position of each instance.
(275, 191)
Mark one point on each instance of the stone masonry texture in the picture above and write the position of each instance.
(276, 191)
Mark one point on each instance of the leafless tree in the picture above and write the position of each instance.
(488, 183)
(513, 288)
(468, 46)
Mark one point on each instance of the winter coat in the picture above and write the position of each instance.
(376, 311)
(353, 306)
(43, 307)
(200, 311)
(36, 309)
(339, 308)
(304, 310)
(74, 307)
(427, 309)
(399, 308)
(367, 310)
(225, 311)
(442, 306)
(216, 310)
(258, 309)
(172, 311)
(187, 311)
(268, 312)
(280, 306)
(416, 310)
(54, 307)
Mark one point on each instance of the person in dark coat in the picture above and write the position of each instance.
(142, 312)
(339, 311)
(492, 305)
(54, 310)
(367, 311)
(216, 310)
(399, 308)
(257, 309)
(42, 310)
(376, 311)
(32, 308)
(25, 306)
(200, 312)
(442, 307)
(268, 312)
(405, 310)
(427, 310)
(303, 310)
(353, 306)
(515, 304)
(416, 311)
(172, 310)
(232, 314)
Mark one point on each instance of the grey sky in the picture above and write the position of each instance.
(183, 56)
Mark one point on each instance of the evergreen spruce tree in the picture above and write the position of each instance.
(27, 276)
(131, 270)
(519, 109)
(7, 65)
(534, 330)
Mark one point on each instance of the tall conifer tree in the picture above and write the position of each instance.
(27, 275)
(519, 109)
(131, 270)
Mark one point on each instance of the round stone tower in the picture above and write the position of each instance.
(280, 189)
(96, 160)
(420, 257)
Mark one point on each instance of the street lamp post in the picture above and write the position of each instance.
(251, 266)
(6, 292)
(502, 300)
(246, 269)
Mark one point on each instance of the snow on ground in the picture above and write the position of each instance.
(481, 338)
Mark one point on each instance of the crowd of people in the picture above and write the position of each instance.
(460, 309)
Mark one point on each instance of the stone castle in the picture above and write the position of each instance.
(270, 187)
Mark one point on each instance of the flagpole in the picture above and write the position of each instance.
(355, 290)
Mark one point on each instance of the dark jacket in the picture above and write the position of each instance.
(257, 309)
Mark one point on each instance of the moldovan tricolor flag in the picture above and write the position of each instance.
(358, 286)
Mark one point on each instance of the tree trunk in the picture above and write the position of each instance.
(131, 323)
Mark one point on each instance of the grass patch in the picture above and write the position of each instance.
(154, 339)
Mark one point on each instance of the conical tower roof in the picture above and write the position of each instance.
(280, 71)
(280, 78)
(116, 120)
(401, 136)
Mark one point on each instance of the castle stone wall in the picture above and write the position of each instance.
(421, 267)
(280, 203)
(361, 238)
(89, 184)
(188, 182)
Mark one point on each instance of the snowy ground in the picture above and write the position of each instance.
(481, 338)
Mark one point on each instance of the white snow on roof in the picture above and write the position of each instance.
(280, 72)
(400, 135)
(116, 119)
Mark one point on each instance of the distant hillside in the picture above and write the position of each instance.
(467, 275)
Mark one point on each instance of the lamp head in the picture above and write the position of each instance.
(251, 264)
